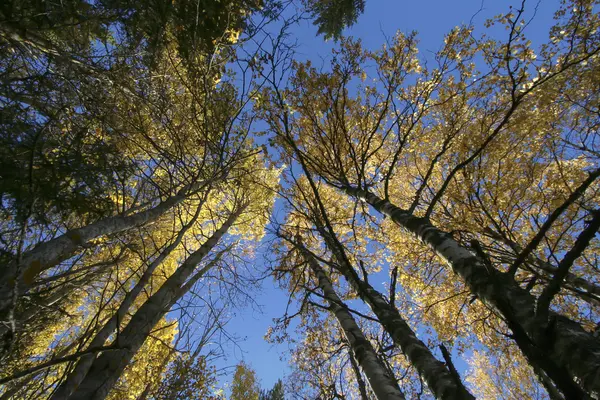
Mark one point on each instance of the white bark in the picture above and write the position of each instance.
(436, 375)
(107, 368)
(83, 365)
(570, 345)
(48, 254)
(384, 386)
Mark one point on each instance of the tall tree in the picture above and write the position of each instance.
(244, 385)
(126, 127)
(383, 384)
(107, 368)
(413, 144)
(277, 392)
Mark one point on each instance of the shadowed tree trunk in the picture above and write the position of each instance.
(362, 387)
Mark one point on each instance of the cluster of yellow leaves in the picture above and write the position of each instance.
(503, 375)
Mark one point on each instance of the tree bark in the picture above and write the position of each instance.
(83, 365)
(362, 387)
(48, 254)
(384, 385)
(563, 341)
(107, 368)
(439, 379)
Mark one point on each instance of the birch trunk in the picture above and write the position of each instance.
(384, 385)
(83, 365)
(564, 341)
(48, 254)
(107, 368)
(362, 387)
(438, 377)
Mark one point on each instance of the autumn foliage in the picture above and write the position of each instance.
(432, 218)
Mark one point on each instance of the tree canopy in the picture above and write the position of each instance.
(432, 218)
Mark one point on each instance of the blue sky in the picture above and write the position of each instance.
(431, 19)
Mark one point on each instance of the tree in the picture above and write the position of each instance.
(332, 16)
(244, 385)
(107, 368)
(68, 136)
(419, 153)
(154, 161)
(384, 385)
(277, 392)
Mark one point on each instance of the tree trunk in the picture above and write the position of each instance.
(48, 254)
(107, 368)
(438, 377)
(563, 342)
(384, 385)
(362, 387)
(83, 365)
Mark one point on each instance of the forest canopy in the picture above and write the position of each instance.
(431, 218)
